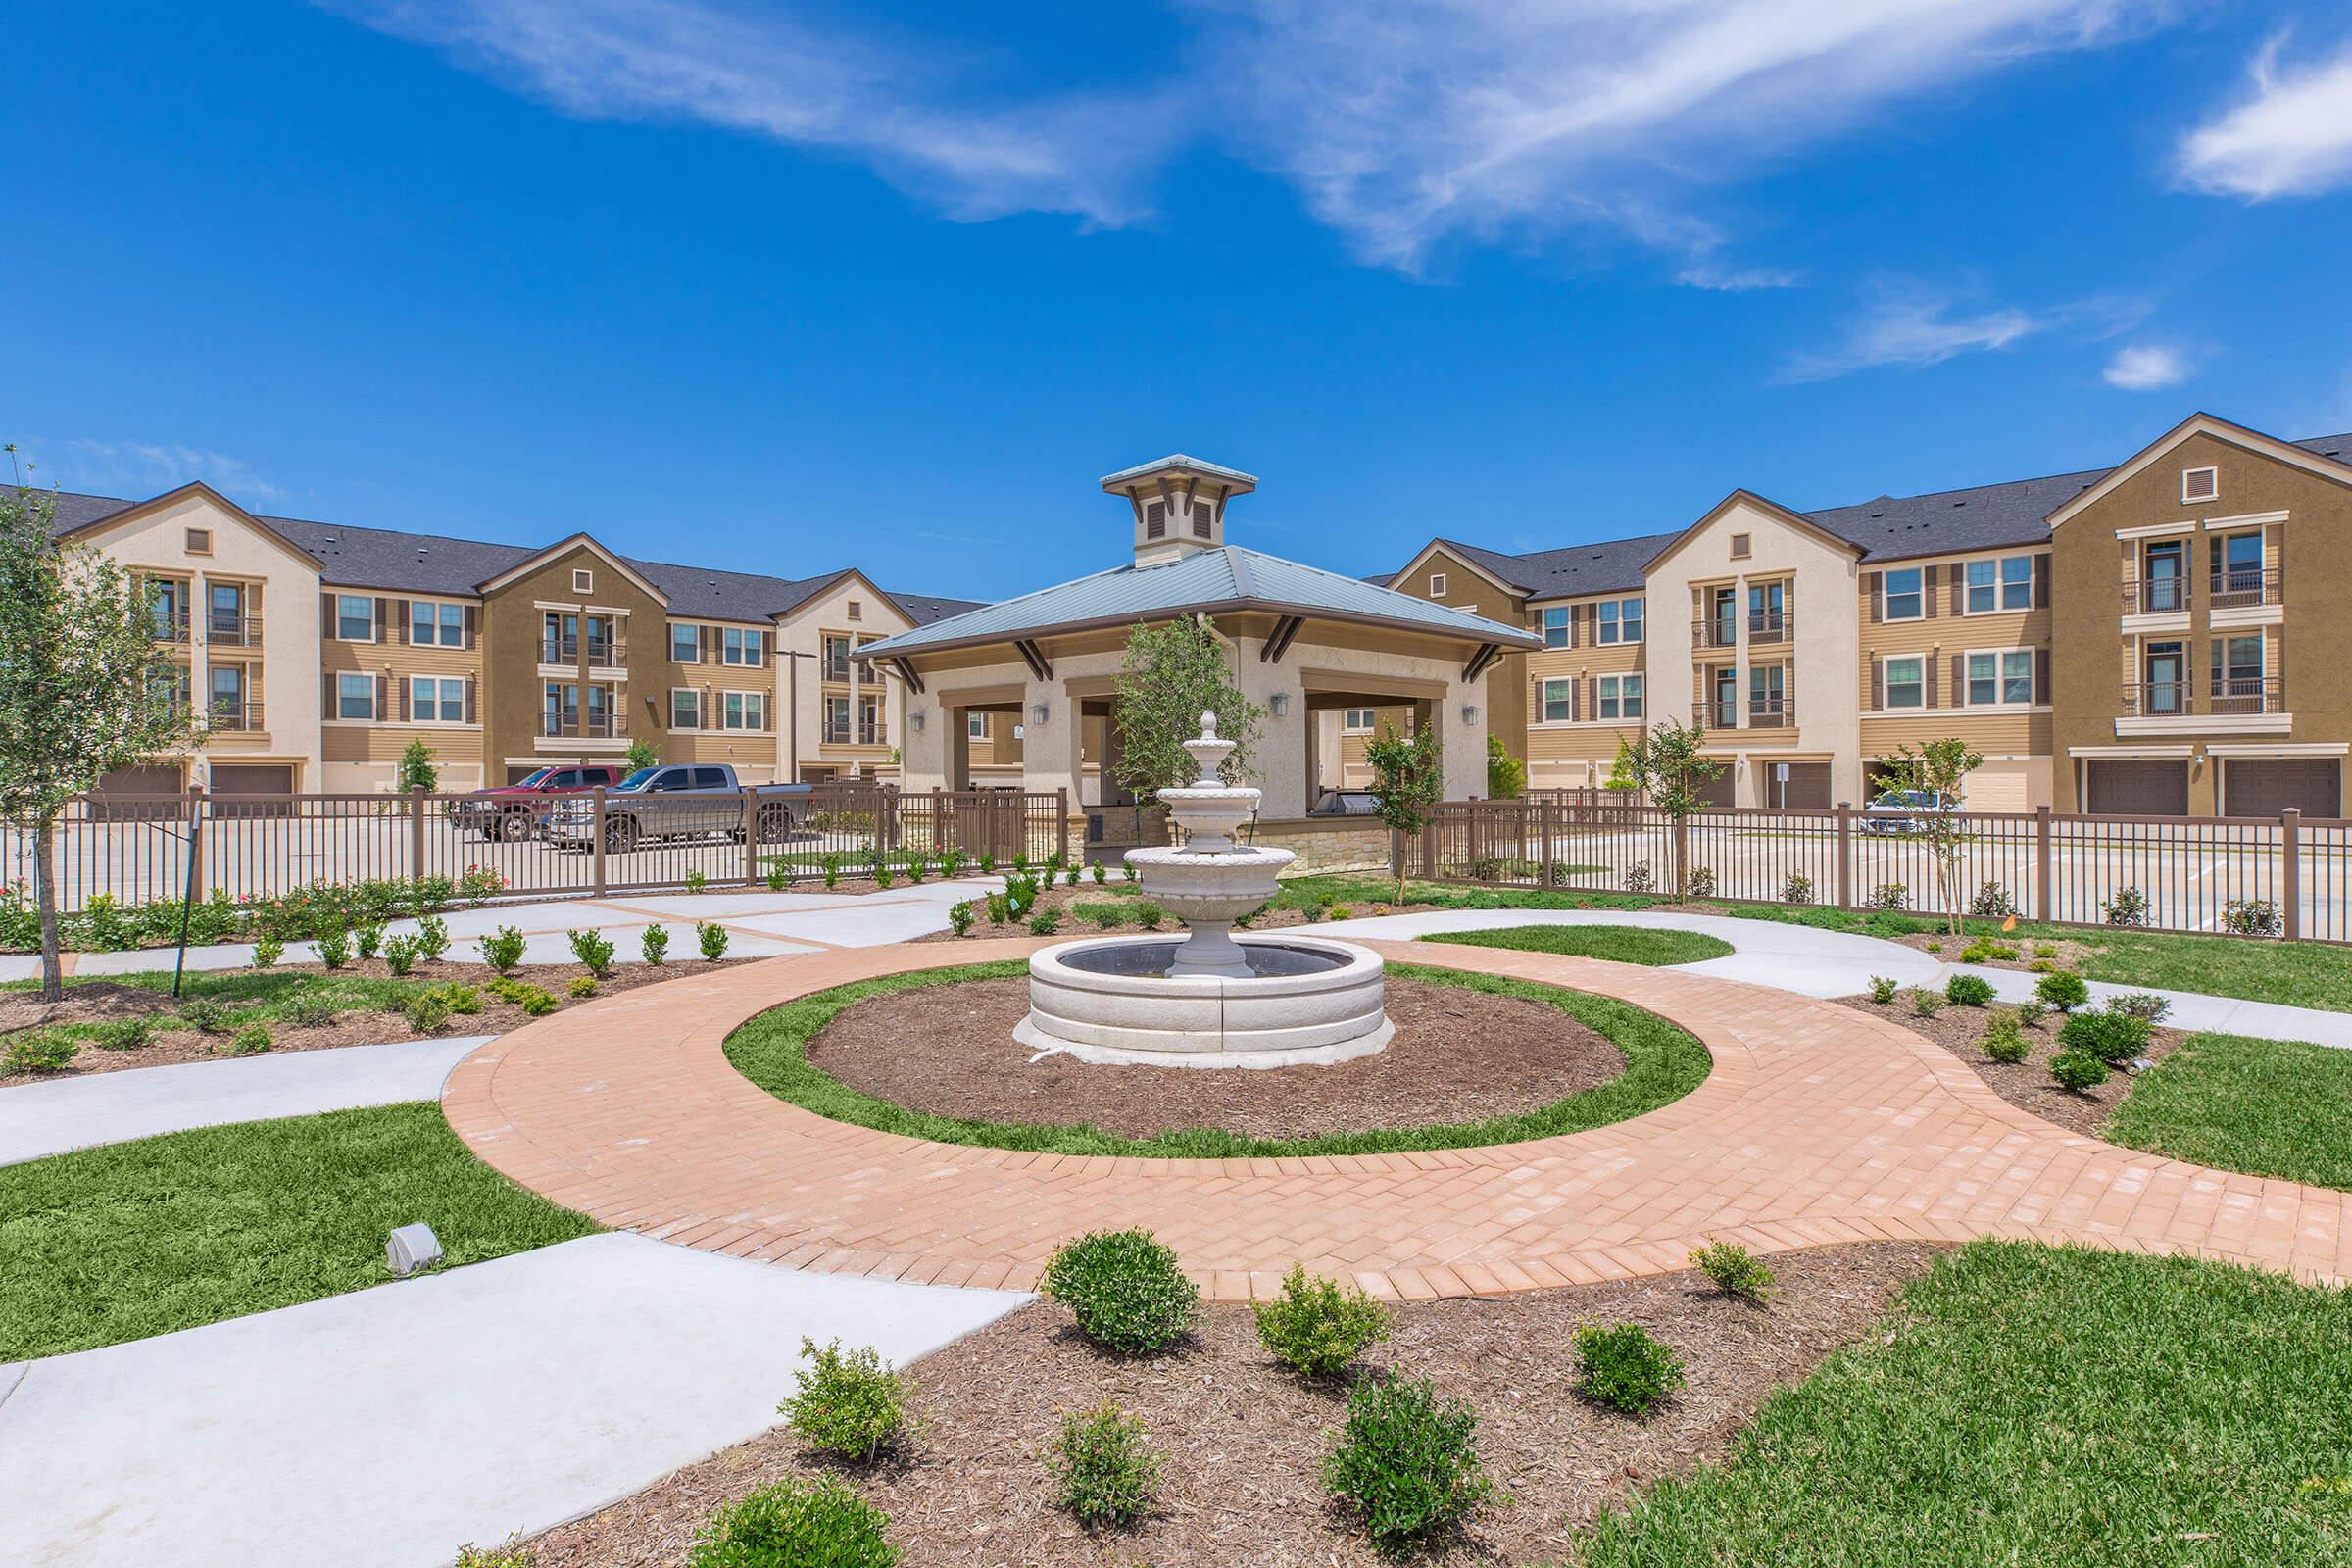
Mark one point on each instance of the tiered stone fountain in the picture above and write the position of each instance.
(1208, 998)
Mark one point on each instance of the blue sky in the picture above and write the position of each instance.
(795, 286)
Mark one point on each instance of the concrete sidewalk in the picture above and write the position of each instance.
(387, 1428)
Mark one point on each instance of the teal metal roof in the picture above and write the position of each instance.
(1215, 581)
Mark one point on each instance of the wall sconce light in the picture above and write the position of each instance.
(914, 720)
(1280, 702)
(1469, 714)
(1040, 713)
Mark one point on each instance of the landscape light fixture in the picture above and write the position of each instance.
(410, 1249)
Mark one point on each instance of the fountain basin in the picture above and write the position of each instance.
(1113, 1000)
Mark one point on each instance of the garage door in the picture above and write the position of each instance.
(242, 789)
(1806, 789)
(2265, 786)
(2138, 788)
(115, 800)
(1717, 791)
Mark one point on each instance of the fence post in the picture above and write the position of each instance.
(1062, 815)
(596, 837)
(1845, 855)
(938, 820)
(1681, 850)
(416, 832)
(751, 836)
(1544, 826)
(2045, 865)
(2291, 881)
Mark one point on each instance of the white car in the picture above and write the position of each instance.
(1905, 810)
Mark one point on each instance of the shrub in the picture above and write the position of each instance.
(1889, 896)
(1735, 1270)
(1626, 1367)
(1700, 884)
(914, 871)
(1984, 950)
(959, 918)
(1882, 989)
(830, 865)
(1926, 1003)
(1968, 991)
(2146, 1005)
(369, 938)
(1405, 1461)
(250, 1041)
(509, 1555)
(1045, 922)
(796, 1525)
(312, 1012)
(2004, 1040)
(479, 885)
(502, 950)
(1102, 873)
(39, 1050)
(2078, 1070)
(2030, 1013)
(2043, 966)
(1149, 916)
(1107, 916)
(851, 1405)
(266, 951)
(999, 909)
(2114, 1038)
(1070, 877)
(1125, 1290)
(1638, 877)
(426, 1010)
(204, 1013)
(882, 876)
(987, 862)
(466, 1000)
(432, 937)
(534, 1001)
(1317, 1326)
(2128, 906)
(582, 987)
(334, 948)
(1991, 901)
(2252, 917)
(697, 882)
(1798, 889)
(2061, 990)
(2046, 950)
(1483, 868)
(713, 937)
(779, 875)
(1103, 1469)
(122, 1034)
(593, 950)
(400, 954)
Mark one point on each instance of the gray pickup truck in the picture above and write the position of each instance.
(677, 801)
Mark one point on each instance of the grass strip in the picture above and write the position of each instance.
(2266, 1108)
(1662, 1063)
(138, 1239)
(1623, 943)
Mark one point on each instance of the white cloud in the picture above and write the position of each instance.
(2146, 368)
(1405, 125)
(2289, 135)
(1912, 329)
(140, 469)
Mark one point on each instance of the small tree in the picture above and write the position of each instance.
(416, 769)
(84, 687)
(641, 753)
(1665, 765)
(1942, 768)
(1408, 778)
(1174, 673)
(1506, 775)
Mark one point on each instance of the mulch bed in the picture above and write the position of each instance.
(2066, 954)
(104, 1000)
(2026, 1085)
(1459, 1056)
(1244, 1438)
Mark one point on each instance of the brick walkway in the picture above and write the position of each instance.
(1818, 1125)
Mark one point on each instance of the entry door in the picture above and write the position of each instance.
(2167, 578)
(2167, 680)
(1727, 699)
(1727, 618)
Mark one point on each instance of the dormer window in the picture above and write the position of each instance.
(2200, 484)
(1437, 585)
(583, 581)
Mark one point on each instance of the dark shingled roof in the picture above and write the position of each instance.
(397, 560)
(1605, 565)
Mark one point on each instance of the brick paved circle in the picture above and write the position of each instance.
(1819, 1124)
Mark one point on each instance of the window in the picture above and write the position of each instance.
(1357, 720)
(856, 609)
(685, 708)
(837, 658)
(870, 730)
(1620, 620)
(355, 696)
(228, 697)
(1555, 624)
(432, 625)
(200, 541)
(2237, 570)
(2236, 669)
(167, 603)
(1437, 585)
(685, 643)
(975, 726)
(583, 581)
(1904, 598)
(745, 711)
(355, 617)
(740, 647)
(436, 701)
(837, 721)
(2200, 484)
(1619, 697)
(1907, 681)
(2003, 584)
(2000, 680)
(1559, 702)
(1742, 547)
(228, 612)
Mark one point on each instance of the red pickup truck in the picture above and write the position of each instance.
(520, 810)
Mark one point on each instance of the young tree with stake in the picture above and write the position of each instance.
(1665, 765)
(1408, 780)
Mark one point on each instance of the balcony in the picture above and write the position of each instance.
(2156, 596)
(573, 726)
(1772, 627)
(559, 651)
(234, 715)
(1715, 631)
(232, 631)
(171, 626)
(1720, 714)
(835, 734)
(2246, 588)
(608, 653)
(1771, 712)
(2249, 694)
(2184, 707)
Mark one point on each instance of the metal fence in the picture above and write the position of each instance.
(139, 850)
(2279, 876)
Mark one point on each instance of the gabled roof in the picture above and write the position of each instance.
(2328, 457)
(81, 519)
(1769, 507)
(1210, 581)
(1606, 566)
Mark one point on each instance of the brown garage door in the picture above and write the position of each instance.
(244, 789)
(118, 795)
(2140, 788)
(1806, 789)
(1717, 791)
(2265, 786)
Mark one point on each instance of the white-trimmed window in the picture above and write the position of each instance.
(736, 646)
(685, 708)
(2003, 678)
(1556, 621)
(1906, 596)
(432, 624)
(354, 619)
(436, 700)
(685, 642)
(583, 581)
(1437, 585)
(2200, 484)
(1997, 585)
(355, 696)
(1619, 697)
(975, 726)
(1907, 681)
(1619, 621)
(837, 721)
(745, 711)
(1559, 700)
(1357, 720)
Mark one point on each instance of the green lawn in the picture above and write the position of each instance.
(138, 1239)
(1624, 943)
(2027, 1407)
(2268, 1108)
(262, 995)
(1663, 1063)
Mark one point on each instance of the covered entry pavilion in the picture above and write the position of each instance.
(1304, 642)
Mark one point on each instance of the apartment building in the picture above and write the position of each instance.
(316, 652)
(2116, 640)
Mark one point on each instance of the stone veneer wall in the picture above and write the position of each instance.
(1323, 848)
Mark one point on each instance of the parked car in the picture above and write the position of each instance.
(1905, 810)
(520, 810)
(677, 801)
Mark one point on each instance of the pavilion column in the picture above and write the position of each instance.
(1053, 747)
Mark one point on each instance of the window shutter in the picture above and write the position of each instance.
(326, 615)
(1960, 680)
(2217, 665)
(326, 696)
(1959, 587)
(2041, 582)
(1878, 686)
(407, 693)
(378, 713)
(2041, 675)
(1576, 700)
(474, 626)
(400, 620)
(710, 644)
(1927, 594)
(472, 709)
(383, 613)
(1873, 583)
(1933, 700)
